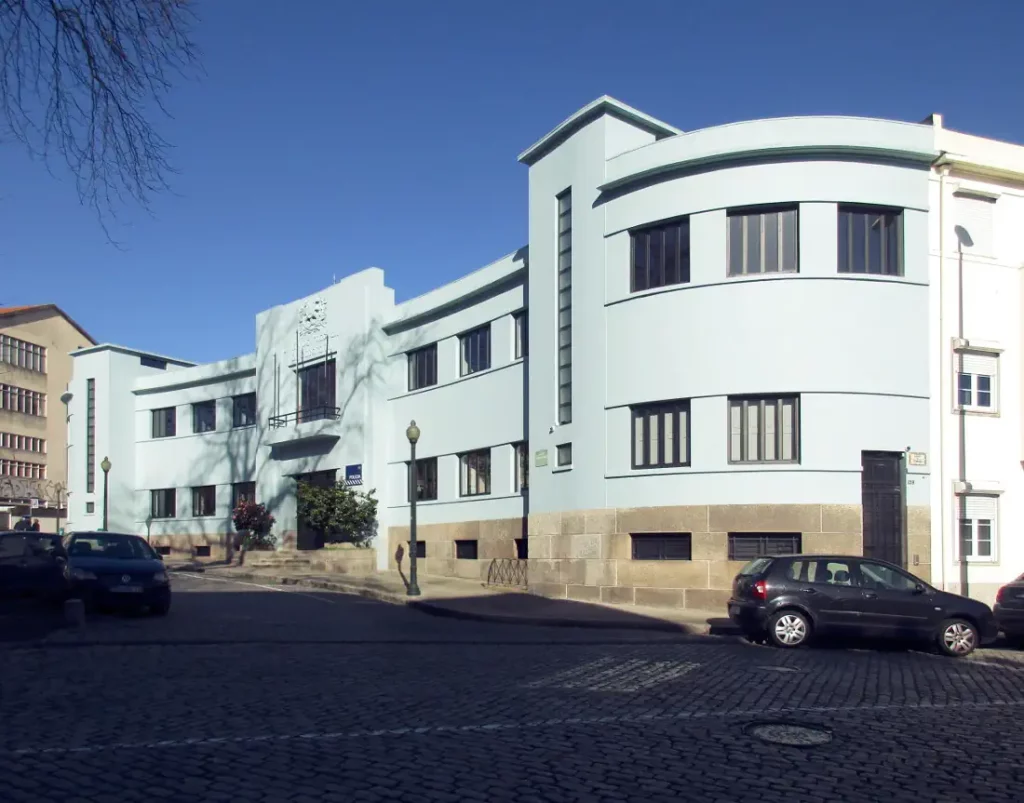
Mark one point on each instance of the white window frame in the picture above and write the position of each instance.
(980, 507)
(976, 363)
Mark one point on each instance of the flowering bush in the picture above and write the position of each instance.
(254, 521)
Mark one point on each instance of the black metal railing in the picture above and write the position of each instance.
(321, 413)
(507, 572)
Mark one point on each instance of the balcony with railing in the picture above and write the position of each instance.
(321, 422)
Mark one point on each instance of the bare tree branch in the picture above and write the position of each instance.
(82, 77)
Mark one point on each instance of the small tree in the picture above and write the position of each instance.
(254, 521)
(339, 513)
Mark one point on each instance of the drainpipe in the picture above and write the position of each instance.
(943, 172)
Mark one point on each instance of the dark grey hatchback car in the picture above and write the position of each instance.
(787, 599)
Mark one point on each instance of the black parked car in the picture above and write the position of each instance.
(113, 570)
(787, 599)
(1009, 609)
(32, 564)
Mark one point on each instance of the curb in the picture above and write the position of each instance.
(443, 611)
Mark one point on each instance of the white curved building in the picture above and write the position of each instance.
(715, 344)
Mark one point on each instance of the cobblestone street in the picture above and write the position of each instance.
(249, 693)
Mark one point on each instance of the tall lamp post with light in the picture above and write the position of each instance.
(65, 399)
(105, 467)
(412, 432)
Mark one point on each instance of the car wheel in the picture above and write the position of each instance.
(161, 608)
(789, 629)
(958, 638)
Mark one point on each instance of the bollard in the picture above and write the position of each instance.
(74, 612)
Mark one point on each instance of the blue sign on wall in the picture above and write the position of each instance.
(354, 474)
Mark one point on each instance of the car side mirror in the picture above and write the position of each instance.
(920, 588)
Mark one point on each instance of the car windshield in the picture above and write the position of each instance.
(109, 545)
(756, 566)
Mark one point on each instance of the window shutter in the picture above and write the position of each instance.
(975, 215)
(976, 363)
(980, 507)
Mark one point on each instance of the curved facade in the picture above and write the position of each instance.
(716, 343)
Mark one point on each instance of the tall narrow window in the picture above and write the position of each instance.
(90, 436)
(661, 434)
(660, 255)
(164, 422)
(422, 367)
(243, 410)
(425, 481)
(762, 241)
(565, 307)
(475, 471)
(476, 350)
(204, 416)
(521, 335)
(317, 392)
(242, 492)
(522, 481)
(870, 240)
(204, 500)
(162, 503)
(764, 429)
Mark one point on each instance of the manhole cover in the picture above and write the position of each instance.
(778, 669)
(790, 734)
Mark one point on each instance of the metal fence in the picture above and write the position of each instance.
(507, 572)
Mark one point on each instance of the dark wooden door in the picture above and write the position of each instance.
(306, 537)
(881, 485)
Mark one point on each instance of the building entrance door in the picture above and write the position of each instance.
(883, 503)
(306, 537)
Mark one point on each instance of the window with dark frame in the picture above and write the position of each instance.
(661, 434)
(660, 255)
(563, 454)
(661, 546)
(764, 429)
(204, 501)
(317, 391)
(21, 400)
(422, 367)
(466, 550)
(162, 503)
(475, 473)
(421, 549)
(522, 466)
(90, 507)
(522, 548)
(90, 436)
(165, 422)
(243, 410)
(242, 491)
(204, 416)
(870, 240)
(763, 241)
(522, 334)
(22, 354)
(565, 307)
(747, 546)
(426, 479)
(475, 349)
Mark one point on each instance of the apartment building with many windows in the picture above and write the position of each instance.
(716, 344)
(35, 369)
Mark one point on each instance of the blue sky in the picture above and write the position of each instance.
(326, 137)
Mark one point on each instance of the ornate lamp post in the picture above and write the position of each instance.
(413, 434)
(105, 467)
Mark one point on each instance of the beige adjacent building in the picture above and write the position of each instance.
(35, 369)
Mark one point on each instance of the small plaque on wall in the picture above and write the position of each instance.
(541, 457)
(917, 458)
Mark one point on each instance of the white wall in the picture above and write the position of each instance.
(460, 413)
(990, 304)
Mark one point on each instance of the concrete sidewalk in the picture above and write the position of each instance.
(468, 599)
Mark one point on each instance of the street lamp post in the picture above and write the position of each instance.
(413, 434)
(105, 467)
